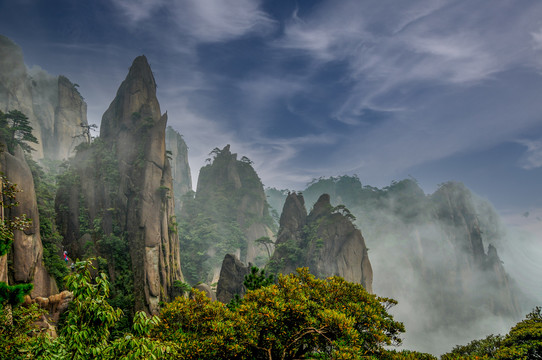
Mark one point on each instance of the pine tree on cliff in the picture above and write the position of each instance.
(15, 130)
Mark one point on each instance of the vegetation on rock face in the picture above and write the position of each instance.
(215, 221)
(45, 185)
(10, 294)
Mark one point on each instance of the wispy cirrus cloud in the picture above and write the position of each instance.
(202, 20)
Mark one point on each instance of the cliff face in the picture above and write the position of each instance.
(180, 169)
(431, 253)
(25, 259)
(53, 104)
(123, 184)
(325, 240)
(227, 215)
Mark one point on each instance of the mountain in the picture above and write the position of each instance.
(436, 254)
(228, 213)
(53, 104)
(116, 199)
(325, 240)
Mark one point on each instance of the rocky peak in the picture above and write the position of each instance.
(125, 182)
(326, 241)
(135, 105)
(294, 214)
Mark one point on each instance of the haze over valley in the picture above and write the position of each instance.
(176, 144)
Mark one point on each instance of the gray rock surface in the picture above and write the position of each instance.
(26, 256)
(132, 195)
(232, 276)
(326, 241)
(52, 104)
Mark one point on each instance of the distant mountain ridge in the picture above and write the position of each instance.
(434, 253)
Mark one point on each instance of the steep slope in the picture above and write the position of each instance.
(116, 200)
(180, 169)
(53, 104)
(227, 215)
(325, 240)
(25, 259)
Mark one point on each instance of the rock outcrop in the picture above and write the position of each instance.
(25, 259)
(229, 196)
(326, 241)
(123, 184)
(232, 276)
(180, 169)
(52, 104)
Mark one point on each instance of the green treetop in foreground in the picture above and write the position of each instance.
(299, 317)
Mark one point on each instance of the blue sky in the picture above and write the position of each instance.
(437, 90)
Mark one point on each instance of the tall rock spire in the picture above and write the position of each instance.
(135, 190)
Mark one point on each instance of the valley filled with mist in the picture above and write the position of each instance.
(116, 205)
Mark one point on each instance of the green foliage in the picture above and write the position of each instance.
(86, 332)
(523, 342)
(181, 286)
(17, 331)
(9, 225)
(10, 294)
(300, 317)
(203, 329)
(15, 130)
(13, 294)
(484, 348)
(257, 279)
(45, 186)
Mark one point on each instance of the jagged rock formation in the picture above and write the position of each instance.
(432, 254)
(117, 201)
(25, 259)
(227, 215)
(53, 104)
(232, 276)
(325, 240)
(180, 169)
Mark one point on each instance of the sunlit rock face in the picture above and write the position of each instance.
(180, 169)
(124, 184)
(26, 256)
(53, 104)
(325, 240)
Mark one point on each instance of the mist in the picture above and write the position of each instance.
(431, 253)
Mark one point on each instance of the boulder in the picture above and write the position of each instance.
(232, 276)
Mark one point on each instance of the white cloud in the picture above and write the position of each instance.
(201, 20)
(532, 158)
